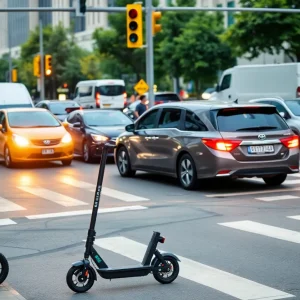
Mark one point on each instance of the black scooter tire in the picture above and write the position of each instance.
(4, 268)
(74, 271)
(174, 275)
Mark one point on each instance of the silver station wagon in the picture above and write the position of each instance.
(205, 139)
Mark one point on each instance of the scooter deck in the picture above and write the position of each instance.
(124, 272)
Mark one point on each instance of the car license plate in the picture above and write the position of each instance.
(261, 149)
(106, 105)
(47, 151)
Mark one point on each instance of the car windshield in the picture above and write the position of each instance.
(294, 106)
(167, 97)
(31, 119)
(106, 118)
(250, 119)
(59, 108)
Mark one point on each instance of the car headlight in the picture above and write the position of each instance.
(67, 138)
(20, 140)
(99, 138)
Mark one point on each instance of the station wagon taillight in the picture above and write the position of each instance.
(221, 144)
(97, 96)
(298, 92)
(290, 142)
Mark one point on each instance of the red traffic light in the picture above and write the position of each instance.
(133, 13)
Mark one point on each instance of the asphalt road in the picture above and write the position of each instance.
(236, 240)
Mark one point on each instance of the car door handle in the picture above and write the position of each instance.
(151, 137)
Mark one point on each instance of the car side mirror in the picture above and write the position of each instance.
(77, 125)
(129, 128)
(283, 114)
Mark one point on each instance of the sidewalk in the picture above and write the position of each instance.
(8, 293)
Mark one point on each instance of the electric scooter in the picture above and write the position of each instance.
(81, 276)
(4, 268)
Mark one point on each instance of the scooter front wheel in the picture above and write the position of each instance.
(79, 282)
(4, 268)
(171, 275)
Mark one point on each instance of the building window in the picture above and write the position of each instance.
(230, 18)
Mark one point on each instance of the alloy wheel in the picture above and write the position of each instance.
(122, 162)
(86, 154)
(186, 172)
(7, 157)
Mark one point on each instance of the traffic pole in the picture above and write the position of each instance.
(149, 52)
(42, 71)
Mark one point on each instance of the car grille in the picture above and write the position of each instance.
(54, 155)
(41, 142)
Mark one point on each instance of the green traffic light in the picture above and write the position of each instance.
(133, 38)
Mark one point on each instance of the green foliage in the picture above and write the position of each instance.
(254, 33)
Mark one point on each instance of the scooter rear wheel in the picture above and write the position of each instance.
(74, 277)
(167, 277)
(4, 268)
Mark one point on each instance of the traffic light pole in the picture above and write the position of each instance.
(149, 52)
(42, 71)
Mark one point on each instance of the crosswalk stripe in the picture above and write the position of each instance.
(6, 205)
(222, 281)
(277, 198)
(4, 222)
(266, 230)
(105, 191)
(294, 217)
(86, 212)
(52, 196)
(8, 293)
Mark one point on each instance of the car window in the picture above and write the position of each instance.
(250, 119)
(72, 117)
(111, 90)
(279, 107)
(294, 106)
(85, 91)
(170, 118)
(226, 82)
(148, 120)
(193, 123)
(59, 108)
(3, 120)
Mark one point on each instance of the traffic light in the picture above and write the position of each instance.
(37, 66)
(156, 27)
(134, 26)
(48, 65)
(14, 75)
(80, 8)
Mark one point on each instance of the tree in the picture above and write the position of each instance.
(254, 33)
(200, 51)
(172, 25)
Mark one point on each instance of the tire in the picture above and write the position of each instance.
(4, 268)
(76, 271)
(7, 158)
(174, 269)
(86, 153)
(275, 180)
(187, 173)
(123, 163)
(67, 162)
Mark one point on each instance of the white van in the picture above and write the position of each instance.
(14, 95)
(107, 93)
(244, 83)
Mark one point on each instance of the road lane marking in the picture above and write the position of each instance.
(4, 222)
(265, 230)
(222, 281)
(251, 193)
(105, 191)
(277, 198)
(53, 196)
(8, 293)
(86, 212)
(294, 217)
(6, 205)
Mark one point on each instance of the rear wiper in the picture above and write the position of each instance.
(257, 128)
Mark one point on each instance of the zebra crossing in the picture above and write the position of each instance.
(62, 201)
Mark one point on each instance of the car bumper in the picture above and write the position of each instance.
(227, 166)
(97, 149)
(34, 153)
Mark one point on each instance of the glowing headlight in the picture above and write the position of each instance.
(20, 140)
(99, 138)
(67, 138)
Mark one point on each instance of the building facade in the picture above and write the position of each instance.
(16, 27)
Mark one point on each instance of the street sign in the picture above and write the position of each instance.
(141, 87)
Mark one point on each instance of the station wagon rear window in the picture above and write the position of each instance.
(250, 119)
